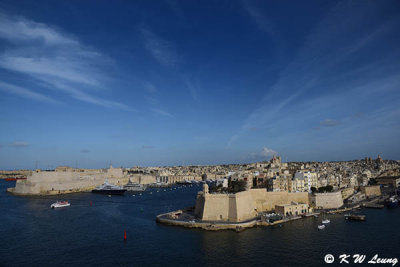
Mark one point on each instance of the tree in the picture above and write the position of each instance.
(327, 188)
(236, 186)
(313, 189)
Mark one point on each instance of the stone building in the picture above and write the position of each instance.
(292, 209)
(371, 191)
(243, 205)
(332, 200)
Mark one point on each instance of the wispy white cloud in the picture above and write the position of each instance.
(162, 112)
(264, 153)
(152, 100)
(329, 123)
(165, 53)
(150, 88)
(19, 144)
(162, 50)
(260, 19)
(193, 88)
(176, 8)
(53, 58)
(328, 64)
(26, 93)
(18, 30)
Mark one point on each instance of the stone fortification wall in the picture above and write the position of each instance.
(225, 207)
(216, 207)
(243, 205)
(370, 191)
(347, 192)
(327, 200)
(16, 173)
(66, 181)
(266, 201)
(143, 178)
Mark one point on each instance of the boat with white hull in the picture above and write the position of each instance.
(109, 189)
(60, 204)
(134, 187)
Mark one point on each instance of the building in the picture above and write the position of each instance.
(303, 181)
(292, 209)
(243, 205)
(389, 180)
(347, 192)
(371, 191)
(332, 200)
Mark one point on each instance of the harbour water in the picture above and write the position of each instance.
(91, 233)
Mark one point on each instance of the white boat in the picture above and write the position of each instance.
(135, 187)
(325, 220)
(322, 226)
(60, 204)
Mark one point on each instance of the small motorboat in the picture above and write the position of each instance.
(322, 226)
(60, 204)
(392, 202)
(325, 220)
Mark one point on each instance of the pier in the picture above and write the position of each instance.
(185, 218)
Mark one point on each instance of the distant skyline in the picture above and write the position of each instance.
(197, 82)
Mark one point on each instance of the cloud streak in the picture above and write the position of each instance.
(161, 50)
(52, 58)
(334, 47)
(19, 144)
(329, 123)
(26, 93)
(161, 112)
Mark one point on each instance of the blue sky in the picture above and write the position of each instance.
(197, 82)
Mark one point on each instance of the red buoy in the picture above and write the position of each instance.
(125, 235)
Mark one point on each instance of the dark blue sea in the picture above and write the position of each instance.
(32, 234)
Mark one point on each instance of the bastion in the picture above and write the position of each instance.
(242, 206)
(332, 200)
(67, 180)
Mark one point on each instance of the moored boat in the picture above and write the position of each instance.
(109, 189)
(135, 187)
(325, 220)
(392, 202)
(355, 217)
(322, 226)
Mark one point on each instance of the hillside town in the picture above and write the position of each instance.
(273, 192)
(274, 175)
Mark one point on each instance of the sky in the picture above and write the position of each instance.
(167, 82)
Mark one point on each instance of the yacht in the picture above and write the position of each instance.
(60, 204)
(135, 187)
(109, 189)
(322, 226)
